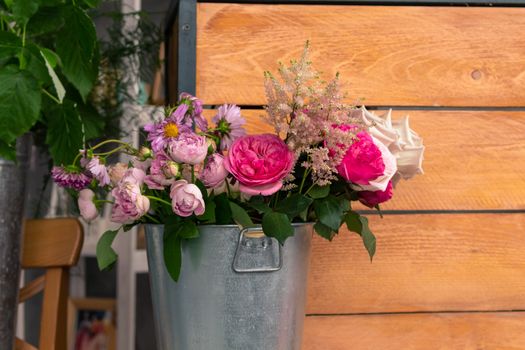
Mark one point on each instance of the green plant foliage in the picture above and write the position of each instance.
(173, 254)
(277, 225)
(64, 132)
(75, 45)
(20, 102)
(359, 224)
(240, 216)
(106, 256)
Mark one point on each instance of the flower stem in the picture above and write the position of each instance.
(51, 96)
(110, 141)
(152, 218)
(111, 152)
(159, 200)
(103, 201)
(306, 173)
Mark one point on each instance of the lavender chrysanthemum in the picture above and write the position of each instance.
(229, 125)
(70, 178)
(99, 171)
(195, 110)
(159, 134)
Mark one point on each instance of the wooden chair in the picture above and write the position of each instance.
(53, 244)
(449, 258)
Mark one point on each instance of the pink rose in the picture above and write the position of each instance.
(367, 164)
(259, 163)
(130, 204)
(157, 179)
(116, 172)
(186, 199)
(188, 148)
(373, 198)
(87, 207)
(214, 172)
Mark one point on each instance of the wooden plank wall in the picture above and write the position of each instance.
(450, 264)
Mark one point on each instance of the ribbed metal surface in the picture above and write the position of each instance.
(12, 183)
(213, 307)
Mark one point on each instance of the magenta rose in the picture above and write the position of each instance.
(367, 164)
(214, 172)
(130, 204)
(87, 207)
(188, 148)
(259, 163)
(186, 199)
(373, 198)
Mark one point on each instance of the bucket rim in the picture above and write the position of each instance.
(294, 224)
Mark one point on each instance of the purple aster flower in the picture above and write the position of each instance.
(70, 177)
(99, 171)
(195, 110)
(229, 124)
(159, 134)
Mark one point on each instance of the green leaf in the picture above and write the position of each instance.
(9, 3)
(64, 132)
(50, 56)
(91, 3)
(20, 101)
(324, 231)
(106, 256)
(369, 239)
(59, 88)
(257, 203)
(223, 212)
(359, 224)
(318, 192)
(45, 21)
(173, 254)
(24, 9)
(7, 151)
(209, 213)
(353, 222)
(293, 205)
(240, 216)
(329, 212)
(277, 225)
(75, 45)
(10, 45)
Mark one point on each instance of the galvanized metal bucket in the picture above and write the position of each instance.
(238, 290)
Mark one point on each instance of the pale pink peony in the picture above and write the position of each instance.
(186, 199)
(157, 179)
(116, 172)
(259, 163)
(214, 172)
(373, 198)
(87, 207)
(188, 148)
(130, 204)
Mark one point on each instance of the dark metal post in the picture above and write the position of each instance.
(12, 185)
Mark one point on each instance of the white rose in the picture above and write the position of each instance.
(402, 142)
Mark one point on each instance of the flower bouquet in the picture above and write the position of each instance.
(323, 155)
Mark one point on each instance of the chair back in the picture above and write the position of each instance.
(52, 244)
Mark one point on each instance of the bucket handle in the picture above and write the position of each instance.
(267, 242)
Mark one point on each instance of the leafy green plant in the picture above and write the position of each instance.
(49, 60)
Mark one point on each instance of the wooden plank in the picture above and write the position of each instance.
(439, 262)
(473, 160)
(51, 242)
(463, 331)
(431, 56)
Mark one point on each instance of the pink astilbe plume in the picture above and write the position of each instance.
(308, 114)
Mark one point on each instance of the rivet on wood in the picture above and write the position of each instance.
(476, 74)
